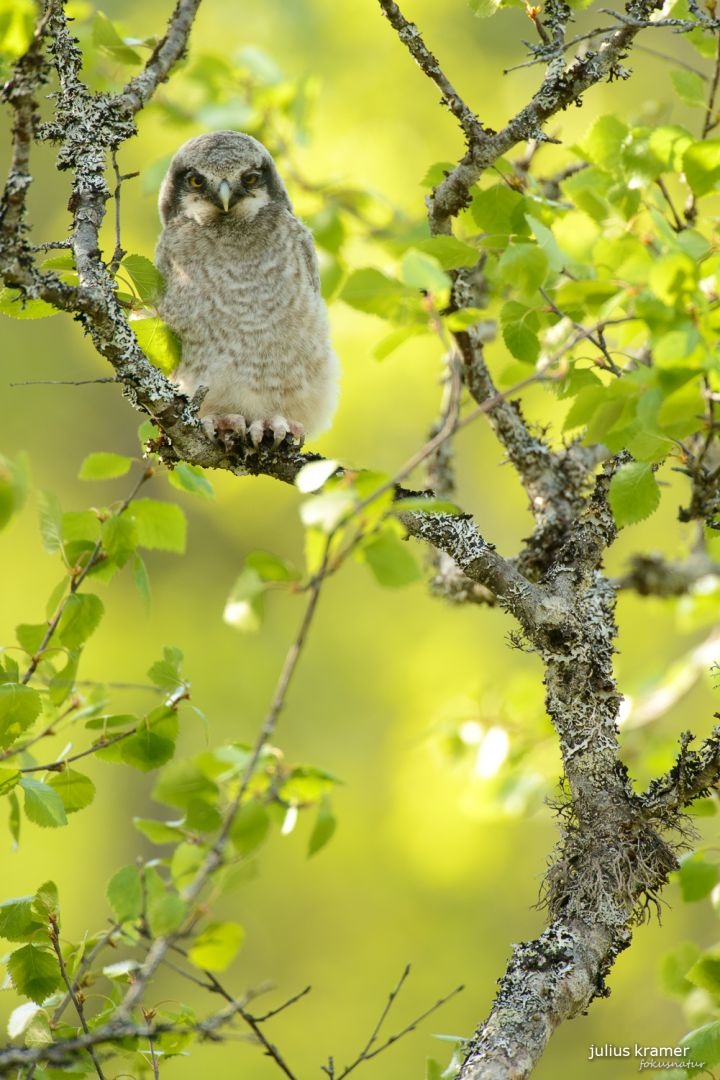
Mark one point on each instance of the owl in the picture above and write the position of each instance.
(242, 292)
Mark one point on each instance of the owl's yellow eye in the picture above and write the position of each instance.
(251, 179)
(195, 181)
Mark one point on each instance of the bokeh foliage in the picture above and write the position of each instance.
(437, 728)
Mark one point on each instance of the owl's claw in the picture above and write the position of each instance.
(279, 428)
(232, 428)
(227, 428)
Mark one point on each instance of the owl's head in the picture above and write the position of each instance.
(218, 174)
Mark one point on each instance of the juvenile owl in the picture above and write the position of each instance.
(242, 292)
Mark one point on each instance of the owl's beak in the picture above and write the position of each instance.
(224, 194)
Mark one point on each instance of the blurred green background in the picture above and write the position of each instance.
(424, 867)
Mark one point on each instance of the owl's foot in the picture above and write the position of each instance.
(279, 429)
(232, 428)
(227, 428)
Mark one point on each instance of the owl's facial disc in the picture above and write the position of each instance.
(239, 193)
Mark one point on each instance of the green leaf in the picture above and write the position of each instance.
(389, 558)
(327, 510)
(484, 8)
(160, 344)
(124, 893)
(119, 538)
(704, 1047)
(50, 522)
(19, 707)
(34, 972)
(43, 805)
(80, 526)
(701, 165)
(46, 901)
(250, 827)
(18, 921)
(159, 525)
(499, 210)
(146, 750)
(81, 616)
(519, 325)
(675, 967)
(308, 785)
(142, 579)
(634, 493)
(603, 143)
(375, 293)
(449, 252)
(166, 673)
(145, 276)
(420, 504)
(217, 946)
(166, 911)
(697, 877)
(314, 475)
(423, 272)
(14, 483)
(191, 478)
(157, 832)
(705, 973)
(182, 782)
(323, 829)
(523, 267)
(9, 779)
(245, 604)
(14, 818)
(689, 87)
(76, 790)
(108, 41)
(668, 144)
(104, 466)
(437, 173)
(202, 817)
(13, 304)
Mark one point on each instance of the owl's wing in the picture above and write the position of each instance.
(308, 249)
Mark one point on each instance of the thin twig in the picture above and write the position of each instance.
(412, 39)
(74, 997)
(678, 222)
(77, 581)
(66, 382)
(60, 766)
(710, 118)
(214, 857)
(119, 252)
(85, 964)
(285, 1005)
(367, 1053)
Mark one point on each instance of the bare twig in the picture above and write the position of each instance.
(370, 1050)
(66, 382)
(119, 253)
(85, 965)
(75, 997)
(215, 855)
(77, 580)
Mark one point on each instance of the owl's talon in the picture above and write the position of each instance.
(227, 428)
(279, 430)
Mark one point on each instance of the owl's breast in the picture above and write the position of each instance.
(236, 297)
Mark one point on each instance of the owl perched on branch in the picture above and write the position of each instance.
(242, 292)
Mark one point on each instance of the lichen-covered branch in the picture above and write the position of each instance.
(165, 55)
(696, 773)
(547, 981)
(613, 856)
(654, 575)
